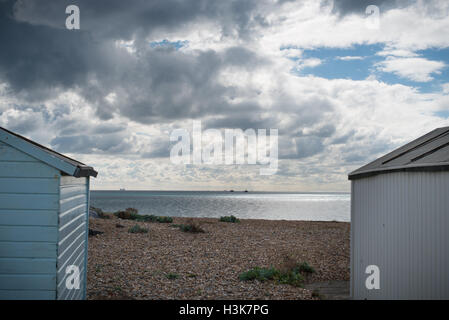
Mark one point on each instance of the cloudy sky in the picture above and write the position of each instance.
(341, 86)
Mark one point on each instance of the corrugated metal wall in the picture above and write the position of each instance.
(29, 193)
(72, 233)
(399, 222)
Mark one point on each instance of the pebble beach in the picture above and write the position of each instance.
(167, 263)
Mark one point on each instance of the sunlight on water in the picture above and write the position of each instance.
(253, 205)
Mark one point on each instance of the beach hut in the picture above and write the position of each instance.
(400, 222)
(44, 201)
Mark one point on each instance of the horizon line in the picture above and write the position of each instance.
(227, 190)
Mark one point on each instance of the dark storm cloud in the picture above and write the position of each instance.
(242, 57)
(324, 131)
(41, 58)
(161, 84)
(38, 61)
(358, 151)
(160, 148)
(343, 138)
(308, 146)
(124, 19)
(68, 127)
(155, 84)
(88, 143)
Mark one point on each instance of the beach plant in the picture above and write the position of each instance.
(191, 227)
(94, 232)
(127, 214)
(289, 263)
(132, 211)
(145, 218)
(306, 268)
(101, 214)
(163, 219)
(172, 276)
(292, 277)
(153, 218)
(137, 229)
(261, 274)
(231, 219)
(132, 214)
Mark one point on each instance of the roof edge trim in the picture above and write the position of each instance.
(415, 168)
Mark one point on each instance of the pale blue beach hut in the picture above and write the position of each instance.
(44, 206)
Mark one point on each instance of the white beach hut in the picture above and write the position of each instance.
(44, 201)
(400, 222)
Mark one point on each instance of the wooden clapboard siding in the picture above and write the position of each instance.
(11, 249)
(27, 294)
(27, 281)
(28, 233)
(18, 169)
(27, 265)
(21, 185)
(10, 217)
(29, 201)
(72, 233)
(29, 205)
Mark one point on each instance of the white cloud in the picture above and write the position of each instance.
(308, 63)
(445, 87)
(292, 53)
(305, 25)
(415, 69)
(397, 53)
(350, 58)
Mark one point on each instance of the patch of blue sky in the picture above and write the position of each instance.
(443, 114)
(165, 43)
(336, 64)
(358, 62)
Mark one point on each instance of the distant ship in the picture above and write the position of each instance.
(122, 189)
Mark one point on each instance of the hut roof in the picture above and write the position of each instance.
(57, 160)
(427, 153)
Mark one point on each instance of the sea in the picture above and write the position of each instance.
(310, 206)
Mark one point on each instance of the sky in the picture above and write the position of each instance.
(342, 83)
